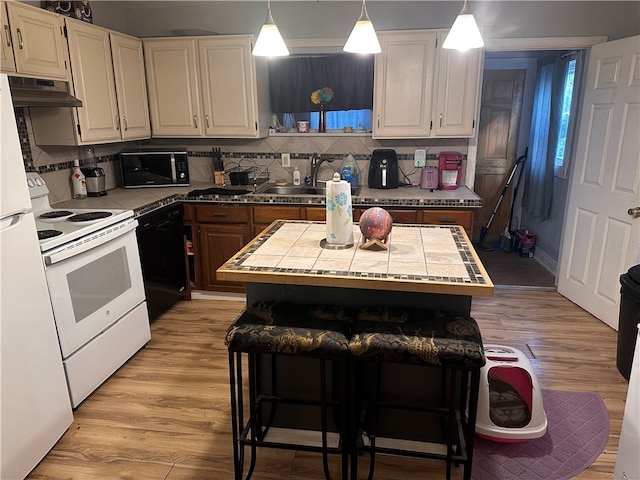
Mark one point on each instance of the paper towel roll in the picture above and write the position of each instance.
(339, 212)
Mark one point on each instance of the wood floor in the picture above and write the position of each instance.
(165, 414)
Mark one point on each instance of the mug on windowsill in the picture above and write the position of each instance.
(303, 127)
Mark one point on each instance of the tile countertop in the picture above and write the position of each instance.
(144, 200)
(420, 258)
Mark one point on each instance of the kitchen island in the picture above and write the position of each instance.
(428, 267)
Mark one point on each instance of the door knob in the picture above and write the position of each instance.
(634, 212)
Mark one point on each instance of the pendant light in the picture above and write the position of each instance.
(464, 33)
(363, 38)
(270, 42)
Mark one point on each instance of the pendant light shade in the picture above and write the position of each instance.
(270, 42)
(464, 33)
(363, 38)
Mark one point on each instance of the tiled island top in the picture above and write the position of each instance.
(420, 258)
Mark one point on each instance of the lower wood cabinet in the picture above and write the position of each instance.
(218, 231)
(264, 215)
(448, 216)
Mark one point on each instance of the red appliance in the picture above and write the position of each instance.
(429, 179)
(450, 170)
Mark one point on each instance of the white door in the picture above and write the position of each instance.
(600, 240)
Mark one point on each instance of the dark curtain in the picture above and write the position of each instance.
(293, 79)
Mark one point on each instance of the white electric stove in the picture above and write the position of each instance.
(94, 277)
(60, 226)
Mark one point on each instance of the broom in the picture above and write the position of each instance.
(504, 241)
(485, 229)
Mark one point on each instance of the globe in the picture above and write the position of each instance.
(375, 222)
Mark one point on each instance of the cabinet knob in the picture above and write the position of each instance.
(207, 120)
(195, 121)
(126, 125)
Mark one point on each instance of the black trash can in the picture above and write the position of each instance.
(628, 320)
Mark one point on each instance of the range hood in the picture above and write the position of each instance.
(33, 92)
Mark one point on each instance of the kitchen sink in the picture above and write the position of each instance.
(299, 190)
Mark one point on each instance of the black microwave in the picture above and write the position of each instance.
(154, 168)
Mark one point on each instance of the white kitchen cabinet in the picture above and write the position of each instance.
(110, 84)
(93, 82)
(7, 62)
(456, 91)
(131, 86)
(171, 66)
(403, 84)
(422, 90)
(229, 86)
(39, 45)
(206, 87)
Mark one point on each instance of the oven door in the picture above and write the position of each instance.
(92, 290)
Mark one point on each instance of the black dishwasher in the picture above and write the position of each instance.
(162, 255)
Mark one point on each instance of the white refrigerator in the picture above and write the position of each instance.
(35, 409)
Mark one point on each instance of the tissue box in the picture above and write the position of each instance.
(525, 243)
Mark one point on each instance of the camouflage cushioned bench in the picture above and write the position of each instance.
(419, 337)
(287, 329)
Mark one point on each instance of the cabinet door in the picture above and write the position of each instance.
(264, 215)
(171, 66)
(456, 91)
(7, 63)
(449, 217)
(39, 43)
(131, 87)
(218, 243)
(403, 84)
(228, 84)
(92, 73)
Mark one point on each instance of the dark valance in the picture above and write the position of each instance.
(293, 79)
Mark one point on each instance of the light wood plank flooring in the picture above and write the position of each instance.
(165, 414)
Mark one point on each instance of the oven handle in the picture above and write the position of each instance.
(90, 242)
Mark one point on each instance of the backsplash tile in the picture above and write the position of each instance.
(54, 163)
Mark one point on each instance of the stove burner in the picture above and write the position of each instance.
(44, 234)
(55, 214)
(89, 216)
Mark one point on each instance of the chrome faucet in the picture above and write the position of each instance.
(316, 161)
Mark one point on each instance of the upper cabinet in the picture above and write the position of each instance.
(108, 77)
(422, 90)
(7, 63)
(34, 41)
(456, 91)
(131, 86)
(93, 82)
(171, 66)
(206, 86)
(403, 84)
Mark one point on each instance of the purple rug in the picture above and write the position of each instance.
(577, 432)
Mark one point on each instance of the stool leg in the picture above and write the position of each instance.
(374, 420)
(323, 418)
(470, 425)
(253, 406)
(235, 425)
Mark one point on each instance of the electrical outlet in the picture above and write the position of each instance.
(286, 159)
(420, 157)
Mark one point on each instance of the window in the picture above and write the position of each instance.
(567, 107)
(293, 79)
(552, 129)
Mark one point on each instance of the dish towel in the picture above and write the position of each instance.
(339, 212)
